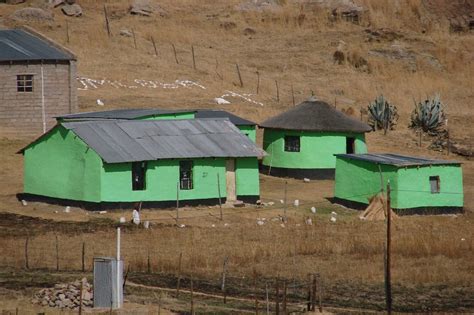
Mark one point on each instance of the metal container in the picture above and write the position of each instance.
(108, 282)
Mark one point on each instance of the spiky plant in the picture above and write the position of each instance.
(382, 114)
(429, 116)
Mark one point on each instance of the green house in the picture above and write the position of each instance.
(418, 185)
(302, 141)
(109, 163)
(247, 127)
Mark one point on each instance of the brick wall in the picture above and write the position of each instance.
(20, 112)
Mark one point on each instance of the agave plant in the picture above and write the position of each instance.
(429, 116)
(382, 114)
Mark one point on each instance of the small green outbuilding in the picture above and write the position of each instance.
(110, 163)
(302, 142)
(418, 185)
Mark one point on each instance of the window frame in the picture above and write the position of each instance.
(25, 83)
(438, 184)
(186, 182)
(350, 144)
(292, 147)
(141, 168)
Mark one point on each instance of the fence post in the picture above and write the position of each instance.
(67, 31)
(240, 76)
(320, 294)
(277, 297)
(313, 291)
(148, 263)
(154, 45)
(284, 297)
(293, 95)
(285, 200)
(192, 297)
(83, 256)
(255, 291)
(106, 21)
(80, 298)
(224, 271)
(258, 81)
(175, 55)
(134, 38)
(266, 297)
(194, 59)
(57, 253)
(277, 91)
(27, 265)
(310, 293)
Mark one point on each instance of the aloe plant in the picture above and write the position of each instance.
(428, 115)
(382, 114)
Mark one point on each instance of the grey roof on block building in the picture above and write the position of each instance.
(396, 159)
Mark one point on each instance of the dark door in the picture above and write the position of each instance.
(350, 145)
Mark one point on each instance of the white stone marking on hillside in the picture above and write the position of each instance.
(243, 96)
(92, 84)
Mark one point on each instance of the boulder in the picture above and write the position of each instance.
(146, 8)
(32, 15)
(72, 9)
(125, 32)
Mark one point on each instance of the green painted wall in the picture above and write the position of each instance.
(162, 177)
(182, 115)
(415, 191)
(60, 165)
(317, 149)
(359, 180)
(356, 180)
(250, 131)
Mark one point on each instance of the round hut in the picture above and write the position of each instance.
(302, 142)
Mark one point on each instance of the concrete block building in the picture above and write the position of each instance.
(37, 82)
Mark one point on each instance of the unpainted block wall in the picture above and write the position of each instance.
(20, 112)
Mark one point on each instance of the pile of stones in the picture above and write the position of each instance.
(66, 295)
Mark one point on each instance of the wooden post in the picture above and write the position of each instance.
(194, 59)
(83, 256)
(320, 293)
(67, 31)
(80, 298)
(284, 297)
(277, 91)
(219, 192)
(224, 271)
(421, 133)
(134, 38)
(240, 76)
(148, 263)
(313, 293)
(107, 21)
(277, 297)
(285, 200)
(179, 274)
(177, 204)
(175, 55)
(192, 297)
(57, 253)
(154, 45)
(159, 303)
(266, 297)
(293, 95)
(448, 142)
(258, 81)
(310, 293)
(255, 293)
(27, 265)
(388, 283)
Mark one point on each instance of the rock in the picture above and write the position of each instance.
(72, 10)
(221, 101)
(86, 296)
(56, 3)
(228, 25)
(125, 32)
(259, 5)
(32, 15)
(14, 1)
(146, 8)
(249, 31)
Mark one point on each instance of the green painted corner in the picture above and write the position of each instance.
(250, 131)
(317, 149)
(247, 177)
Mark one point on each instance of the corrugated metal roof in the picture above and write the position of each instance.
(210, 113)
(121, 114)
(120, 141)
(396, 159)
(19, 45)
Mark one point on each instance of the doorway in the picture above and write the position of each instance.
(350, 145)
(230, 179)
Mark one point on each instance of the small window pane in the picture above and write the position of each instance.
(186, 175)
(24, 83)
(139, 175)
(434, 184)
(292, 143)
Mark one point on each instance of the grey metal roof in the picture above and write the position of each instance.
(210, 113)
(20, 45)
(118, 141)
(315, 116)
(396, 159)
(121, 114)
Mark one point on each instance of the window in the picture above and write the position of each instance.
(434, 184)
(350, 145)
(138, 175)
(292, 143)
(24, 83)
(186, 175)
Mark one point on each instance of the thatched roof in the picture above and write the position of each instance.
(315, 116)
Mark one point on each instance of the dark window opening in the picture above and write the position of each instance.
(292, 143)
(435, 184)
(138, 175)
(350, 145)
(186, 175)
(24, 83)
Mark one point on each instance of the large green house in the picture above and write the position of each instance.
(302, 141)
(418, 185)
(112, 163)
(246, 126)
